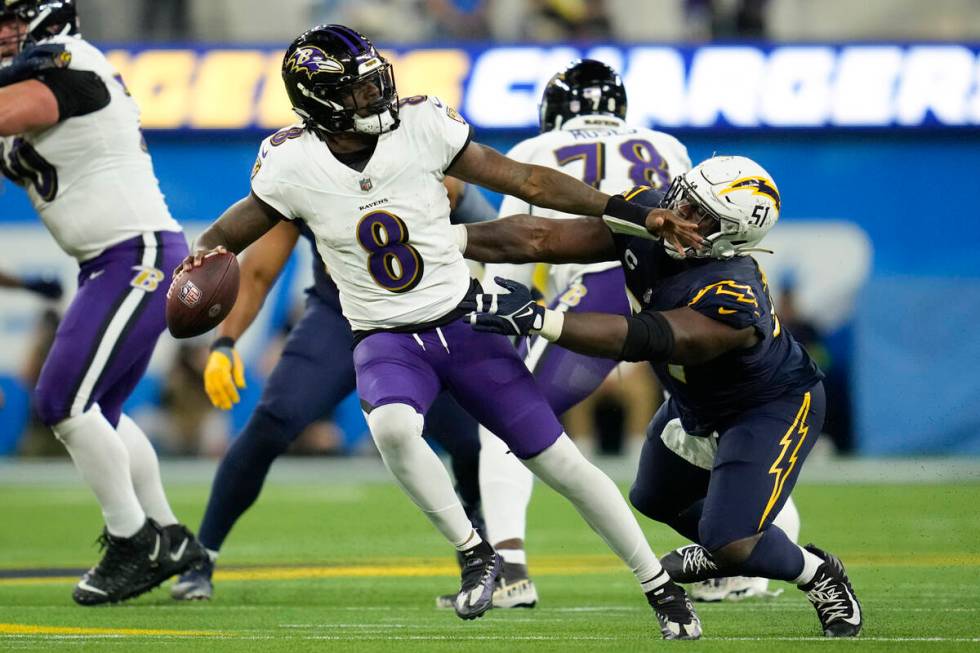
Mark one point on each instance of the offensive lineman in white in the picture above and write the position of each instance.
(365, 172)
(69, 134)
(583, 133)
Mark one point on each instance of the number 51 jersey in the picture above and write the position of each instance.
(90, 177)
(384, 233)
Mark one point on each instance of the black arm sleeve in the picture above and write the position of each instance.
(79, 92)
(648, 338)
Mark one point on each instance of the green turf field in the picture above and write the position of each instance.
(355, 568)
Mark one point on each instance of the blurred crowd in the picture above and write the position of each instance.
(412, 21)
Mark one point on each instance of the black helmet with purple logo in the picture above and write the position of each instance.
(43, 19)
(338, 82)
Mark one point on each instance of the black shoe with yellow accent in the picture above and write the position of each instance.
(479, 578)
(832, 596)
(689, 564)
(129, 567)
(674, 611)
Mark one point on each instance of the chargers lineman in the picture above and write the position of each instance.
(314, 374)
(365, 172)
(583, 133)
(723, 453)
(71, 136)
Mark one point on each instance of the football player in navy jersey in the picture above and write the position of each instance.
(747, 403)
(315, 372)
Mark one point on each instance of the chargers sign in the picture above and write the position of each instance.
(710, 87)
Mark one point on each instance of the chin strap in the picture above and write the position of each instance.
(740, 250)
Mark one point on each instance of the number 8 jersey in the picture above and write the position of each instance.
(384, 232)
(89, 176)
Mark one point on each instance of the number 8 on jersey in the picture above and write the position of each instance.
(392, 262)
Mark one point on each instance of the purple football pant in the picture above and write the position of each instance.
(106, 338)
(566, 378)
(483, 372)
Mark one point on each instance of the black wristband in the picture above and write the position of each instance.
(223, 341)
(618, 207)
(649, 337)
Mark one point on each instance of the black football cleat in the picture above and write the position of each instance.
(129, 567)
(479, 581)
(832, 596)
(674, 611)
(184, 551)
(689, 564)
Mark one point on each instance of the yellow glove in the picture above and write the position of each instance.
(224, 374)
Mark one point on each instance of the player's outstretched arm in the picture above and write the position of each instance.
(528, 239)
(681, 336)
(551, 189)
(239, 226)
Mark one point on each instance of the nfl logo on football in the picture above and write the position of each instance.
(189, 294)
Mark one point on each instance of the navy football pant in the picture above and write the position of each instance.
(753, 472)
(315, 373)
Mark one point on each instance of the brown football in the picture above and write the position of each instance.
(200, 299)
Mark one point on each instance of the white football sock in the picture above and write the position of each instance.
(513, 556)
(103, 462)
(810, 564)
(145, 472)
(397, 432)
(505, 491)
(788, 520)
(563, 467)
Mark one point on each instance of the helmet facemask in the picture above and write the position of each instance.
(723, 235)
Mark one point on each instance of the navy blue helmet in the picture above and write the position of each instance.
(44, 18)
(338, 82)
(585, 87)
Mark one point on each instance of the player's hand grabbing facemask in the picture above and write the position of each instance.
(224, 374)
(514, 313)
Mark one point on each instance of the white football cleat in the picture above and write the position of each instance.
(734, 588)
(519, 594)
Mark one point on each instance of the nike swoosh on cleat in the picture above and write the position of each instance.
(82, 585)
(180, 551)
(854, 619)
(156, 551)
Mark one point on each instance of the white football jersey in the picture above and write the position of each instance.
(606, 153)
(90, 177)
(383, 233)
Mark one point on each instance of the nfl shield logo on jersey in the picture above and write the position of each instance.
(366, 184)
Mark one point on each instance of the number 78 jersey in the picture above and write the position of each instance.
(383, 232)
(607, 154)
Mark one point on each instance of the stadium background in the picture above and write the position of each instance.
(871, 129)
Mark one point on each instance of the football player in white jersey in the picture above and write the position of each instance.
(583, 133)
(70, 135)
(365, 172)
